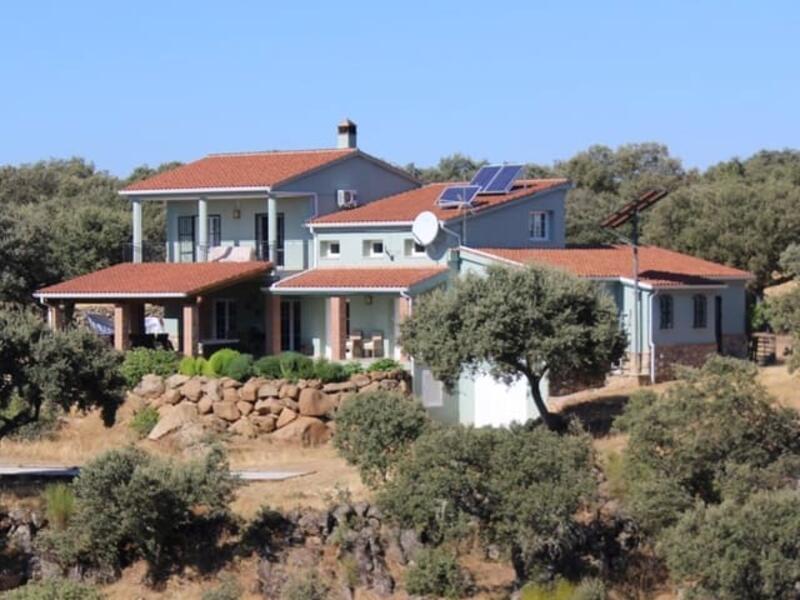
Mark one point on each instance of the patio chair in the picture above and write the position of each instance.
(373, 346)
(354, 345)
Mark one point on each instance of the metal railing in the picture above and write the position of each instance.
(144, 252)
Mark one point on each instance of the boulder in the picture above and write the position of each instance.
(314, 403)
(151, 386)
(378, 375)
(269, 406)
(227, 411)
(132, 405)
(230, 394)
(371, 387)
(290, 390)
(190, 434)
(249, 392)
(289, 403)
(214, 423)
(244, 407)
(361, 379)
(212, 389)
(264, 424)
(192, 389)
(173, 418)
(175, 381)
(287, 416)
(307, 431)
(204, 405)
(268, 390)
(243, 427)
(344, 386)
(171, 396)
(228, 383)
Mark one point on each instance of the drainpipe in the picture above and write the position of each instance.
(652, 344)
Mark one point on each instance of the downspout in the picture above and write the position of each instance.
(311, 229)
(652, 343)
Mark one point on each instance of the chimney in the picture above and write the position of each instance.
(346, 137)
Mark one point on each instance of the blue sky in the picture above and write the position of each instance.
(146, 82)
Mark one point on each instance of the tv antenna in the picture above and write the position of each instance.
(630, 214)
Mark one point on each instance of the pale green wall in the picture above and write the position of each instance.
(351, 243)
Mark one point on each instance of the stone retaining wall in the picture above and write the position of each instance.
(301, 411)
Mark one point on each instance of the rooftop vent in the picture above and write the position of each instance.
(346, 137)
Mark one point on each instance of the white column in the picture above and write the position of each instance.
(272, 229)
(136, 209)
(202, 230)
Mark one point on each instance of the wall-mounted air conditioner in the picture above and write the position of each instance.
(346, 198)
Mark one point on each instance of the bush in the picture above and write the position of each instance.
(384, 364)
(130, 504)
(352, 368)
(328, 372)
(374, 430)
(734, 550)
(268, 367)
(228, 589)
(54, 589)
(219, 362)
(188, 366)
(561, 589)
(42, 369)
(59, 505)
(296, 366)
(144, 421)
(240, 367)
(305, 586)
(715, 433)
(143, 361)
(436, 572)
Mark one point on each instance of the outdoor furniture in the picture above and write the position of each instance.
(231, 254)
(354, 345)
(373, 346)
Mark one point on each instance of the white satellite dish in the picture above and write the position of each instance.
(425, 228)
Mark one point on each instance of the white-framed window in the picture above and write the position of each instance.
(538, 225)
(413, 248)
(373, 248)
(666, 318)
(330, 249)
(225, 319)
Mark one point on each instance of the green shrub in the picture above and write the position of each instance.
(738, 550)
(143, 361)
(436, 572)
(268, 367)
(374, 430)
(328, 372)
(561, 589)
(385, 364)
(296, 366)
(228, 589)
(240, 367)
(54, 589)
(130, 504)
(144, 421)
(352, 368)
(715, 433)
(59, 505)
(218, 363)
(188, 366)
(305, 586)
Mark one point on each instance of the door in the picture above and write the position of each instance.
(262, 238)
(718, 322)
(214, 231)
(290, 325)
(186, 240)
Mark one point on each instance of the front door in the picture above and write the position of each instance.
(262, 238)
(290, 325)
(718, 322)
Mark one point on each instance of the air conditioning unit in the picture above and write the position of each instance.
(346, 198)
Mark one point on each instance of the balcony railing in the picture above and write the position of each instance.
(145, 252)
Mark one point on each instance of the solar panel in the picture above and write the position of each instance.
(485, 175)
(458, 195)
(504, 179)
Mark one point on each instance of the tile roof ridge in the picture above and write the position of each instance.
(276, 151)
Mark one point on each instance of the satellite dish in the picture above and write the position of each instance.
(425, 228)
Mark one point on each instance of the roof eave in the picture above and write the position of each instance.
(195, 191)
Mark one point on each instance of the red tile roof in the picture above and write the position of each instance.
(247, 169)
(657, 267)
(405, 206)
(358, 278)
(143, 279)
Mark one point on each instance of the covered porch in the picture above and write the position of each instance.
(205, 305)
(349, 313)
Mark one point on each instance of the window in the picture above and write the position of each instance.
(538, 225)
(214, 231)
(330, 249)
(225, 319)
(186, 239)
(700, 312)
(414, 249)
(665, 310)
(290, 325)
(262, 238)
(373, 248)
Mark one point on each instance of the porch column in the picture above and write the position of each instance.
(55, 317)
(136, 211)
(202, 229)
(402, 309)
(272, 325)
(191, 328)
(272, 229)
(337, 326)
(122, 326)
